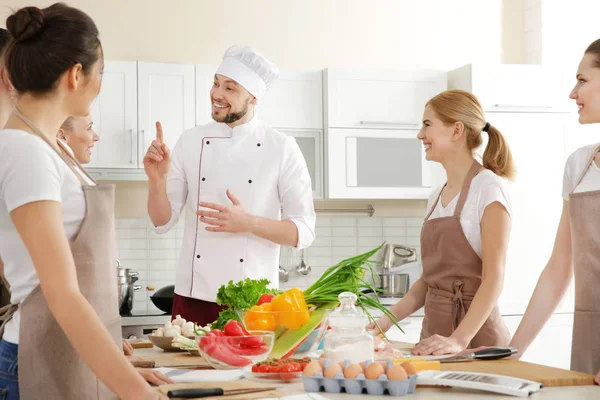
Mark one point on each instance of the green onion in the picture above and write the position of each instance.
(349, 276)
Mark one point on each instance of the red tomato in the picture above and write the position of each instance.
(255, 368)
(287, 371)
(264, 368)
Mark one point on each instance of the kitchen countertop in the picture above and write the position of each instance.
(548, 393)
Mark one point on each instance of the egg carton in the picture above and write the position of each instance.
(359, 385)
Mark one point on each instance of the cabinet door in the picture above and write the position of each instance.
(115, 117)
(377, 164)
(166, 94)
(381, 99)
(205, 77)
(514, 88)
(295, 101)
(537, 145)
(310, 143)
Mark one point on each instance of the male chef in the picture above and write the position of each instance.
(244, 186)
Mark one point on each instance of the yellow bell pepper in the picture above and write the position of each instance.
(260, 318)
(291, 308)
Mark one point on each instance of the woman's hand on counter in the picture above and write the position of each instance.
(127, 348)
(438, 345)
(154, 377)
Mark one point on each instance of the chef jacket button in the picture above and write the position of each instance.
(198, 256)
(203, 179)
(241, 260)
(258, 144)
(250, 181)
(208, 142)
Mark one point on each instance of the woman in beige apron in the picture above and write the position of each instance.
(457, 313)
(68, 330)
(577, 244)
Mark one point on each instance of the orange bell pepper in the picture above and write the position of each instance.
(260, 318)
(291, 308)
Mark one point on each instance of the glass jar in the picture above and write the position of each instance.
(348, 338)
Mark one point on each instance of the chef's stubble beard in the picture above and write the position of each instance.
(233, 117)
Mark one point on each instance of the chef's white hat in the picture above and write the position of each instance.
(249, 68)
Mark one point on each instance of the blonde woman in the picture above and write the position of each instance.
(465, 235)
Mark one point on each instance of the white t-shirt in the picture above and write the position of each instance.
(486, 188)
(574, 168)
(30, 170)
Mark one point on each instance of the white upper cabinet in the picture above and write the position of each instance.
(115, 117)
(295, 101)
(205, 77)
(166, 94)
(514, 88)
(379, 99)
(310, 143)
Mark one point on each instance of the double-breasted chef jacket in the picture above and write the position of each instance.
(266, 171)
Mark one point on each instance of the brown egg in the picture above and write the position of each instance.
(332, 370)
(397, 373)
(409, 368)
(374, 371)
(312, 368)
(353, 371)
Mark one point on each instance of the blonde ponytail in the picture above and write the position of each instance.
(497, 156)
(456, 105)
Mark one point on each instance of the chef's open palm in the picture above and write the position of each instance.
(158, 157)
(225, 218)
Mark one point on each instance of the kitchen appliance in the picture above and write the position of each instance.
(126, 287)
(393, 281)
(480, 381)
(163, 298)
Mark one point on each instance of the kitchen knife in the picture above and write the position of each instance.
(490, 353)
(210, 392)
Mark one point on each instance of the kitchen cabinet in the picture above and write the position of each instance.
(379, 164)
(379, 99)
(373, 118)
(552, 346)
(515, 88)
(114, 114)
(132, 98)
(166, 94)
(295, 101)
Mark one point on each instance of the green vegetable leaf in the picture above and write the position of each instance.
(243, 294)
(224, 317)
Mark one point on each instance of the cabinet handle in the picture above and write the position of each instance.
(396, 123)
(521, 106)
(132, 147)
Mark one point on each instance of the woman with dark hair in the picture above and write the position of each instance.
(61, 336)
(577, 245)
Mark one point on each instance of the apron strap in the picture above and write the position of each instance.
(473, 171)
(435, 203)
(587, 165)
(70, 160)
(6, 314)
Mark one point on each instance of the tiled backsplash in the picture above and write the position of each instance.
(155, 257)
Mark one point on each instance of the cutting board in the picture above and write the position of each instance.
(228, 386)
(154, 359)
(548, 376)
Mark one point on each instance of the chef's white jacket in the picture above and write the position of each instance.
(266, 171)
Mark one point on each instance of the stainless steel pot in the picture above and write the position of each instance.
(394, 284)
(126, 288)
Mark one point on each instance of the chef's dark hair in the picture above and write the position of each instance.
(594, 49)
(48, 42)
(4, 38)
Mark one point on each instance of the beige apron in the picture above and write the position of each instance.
(584, 210)
(452, 271)
(49, 367)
